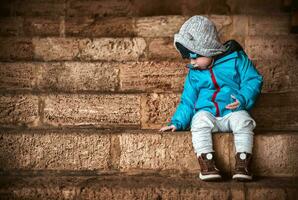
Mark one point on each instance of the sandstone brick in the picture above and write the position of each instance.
(254, 7)
(54, 150)
(79, 76)
(139, 151)
(273, 155)
(42, 26)
(104, 8)
(167, 151)
(163, 49)
(117, 49)
(157, 109)
(109, 49)
(15, 48)
(19, 110)
(141, 187)
(270, 150)
(167, 26)
(11, 26)
(193, 7)
(266, 193)
(152, 76)
(40, 8)
(279, 75)
(91, 109)
(100, 27)
(274, 47)
(48, 49)
(157, 8)
(18, 75)
(240, 25)
(269, 25)
(159, 26)
(274, 111)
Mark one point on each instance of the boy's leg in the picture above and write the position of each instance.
(242, 125)
(202, 126)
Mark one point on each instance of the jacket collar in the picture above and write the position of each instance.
(225, 58)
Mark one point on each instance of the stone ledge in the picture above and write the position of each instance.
(137, 150)
(143, 187)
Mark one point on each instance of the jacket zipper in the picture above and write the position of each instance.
(215, 93)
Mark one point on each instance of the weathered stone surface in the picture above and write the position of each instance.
(167, 26)
(11, 26)
(78, 76)
(18, 75)
(167, 151)
(118, 49)
(91, 109)
(279, 75)
(146, 76)
(53, 48)
(272, 111)
(110, 49)
(147, 186)
(266, 193)
(163, 49)
(159, 26)
(18, 110)
(273, 47)
(137, 151)
(273, 154)
(15, 48)
(42, 26)
(152, 76)
(276, 111)
(252, 7)
(157, 8)
(100, 27)
(272, 148)
(238, 29)
(158, 108)
(269, 24)
(103, 8)
(193, 7)
(39, 8)
(54, 150)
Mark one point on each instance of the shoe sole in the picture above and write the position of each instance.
(209, 177)
(242, 177)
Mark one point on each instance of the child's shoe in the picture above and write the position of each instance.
(209, 172)
(242, 171)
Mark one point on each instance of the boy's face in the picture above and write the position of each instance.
(200, 62)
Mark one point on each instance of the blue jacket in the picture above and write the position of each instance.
(233, 73)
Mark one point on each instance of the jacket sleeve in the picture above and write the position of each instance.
(185, 109)
(251, 82)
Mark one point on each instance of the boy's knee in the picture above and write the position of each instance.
(202, 120)
(242, 122)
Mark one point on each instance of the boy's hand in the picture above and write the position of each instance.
(168, 128)
(233, 105)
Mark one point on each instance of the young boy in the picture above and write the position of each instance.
(220, 88)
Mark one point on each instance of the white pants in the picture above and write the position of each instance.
(204, 123)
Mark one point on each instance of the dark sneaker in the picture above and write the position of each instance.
(209, 172)
(242, 171)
